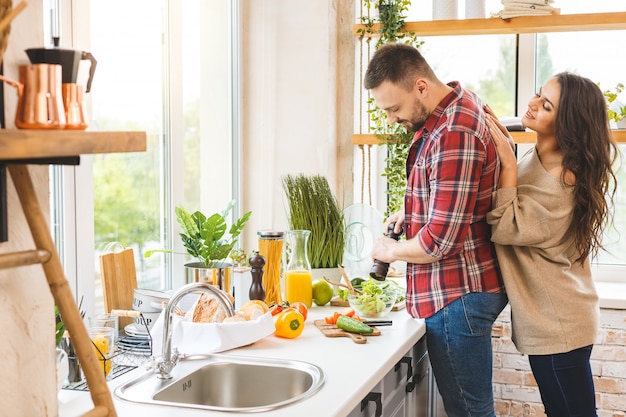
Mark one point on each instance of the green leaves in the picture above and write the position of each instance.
(205, 237)
(313, 207)
(59, 327)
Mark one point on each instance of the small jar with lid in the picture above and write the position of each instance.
(271, 248)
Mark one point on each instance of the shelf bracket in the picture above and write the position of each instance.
(4, 224)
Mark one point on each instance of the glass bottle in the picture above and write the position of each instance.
(271, 248)
(298, 276)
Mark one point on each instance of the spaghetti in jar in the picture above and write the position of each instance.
(271, 248)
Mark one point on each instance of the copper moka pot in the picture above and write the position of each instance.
(39, 101)
(69, 59)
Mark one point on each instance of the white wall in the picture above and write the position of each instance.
(297, 71)
(28, 383)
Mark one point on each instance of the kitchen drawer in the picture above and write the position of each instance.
(397, 376)
(395, 406)
(369, 405)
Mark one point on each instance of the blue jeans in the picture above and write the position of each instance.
(565, 383)
(459, 345)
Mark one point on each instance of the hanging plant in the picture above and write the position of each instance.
(388, 27)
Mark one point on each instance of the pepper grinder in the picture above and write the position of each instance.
(257, 262)
(379, 268)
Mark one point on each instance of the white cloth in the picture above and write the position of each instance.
(517, 8)
(201, 338)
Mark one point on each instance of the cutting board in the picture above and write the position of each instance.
(331, 330)
(338, 302)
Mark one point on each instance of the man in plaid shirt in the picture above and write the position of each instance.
(453, 279)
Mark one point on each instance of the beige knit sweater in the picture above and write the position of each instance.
(554, 305)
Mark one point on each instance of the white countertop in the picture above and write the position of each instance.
(351, 370)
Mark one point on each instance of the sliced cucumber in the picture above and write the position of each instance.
(353, 326)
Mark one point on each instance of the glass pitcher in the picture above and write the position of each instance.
(298, 277)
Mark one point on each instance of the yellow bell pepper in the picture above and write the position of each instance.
(289, 324)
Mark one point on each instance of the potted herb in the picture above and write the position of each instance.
(206, 239)
(616, 110)
(312, 206)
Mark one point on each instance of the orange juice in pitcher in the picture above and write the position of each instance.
(298, 287)
(298, 277)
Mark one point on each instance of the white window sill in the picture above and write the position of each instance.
(612, 294)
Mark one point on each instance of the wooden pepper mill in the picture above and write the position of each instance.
(257, 262)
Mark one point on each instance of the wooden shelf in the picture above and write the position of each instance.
(518, 137)
(43, 144)
(523, 24)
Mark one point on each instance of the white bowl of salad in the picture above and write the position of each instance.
(374, 300)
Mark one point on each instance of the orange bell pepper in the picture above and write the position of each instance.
(289, 324)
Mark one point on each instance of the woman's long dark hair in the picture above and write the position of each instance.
(589, 152)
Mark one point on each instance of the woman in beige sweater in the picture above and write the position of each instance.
(548, 217)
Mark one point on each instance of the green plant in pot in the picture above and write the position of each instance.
(210, 241)
(390, 22)
(312, 206)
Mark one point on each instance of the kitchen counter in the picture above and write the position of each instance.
(351, 370)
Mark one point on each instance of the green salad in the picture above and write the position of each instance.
(375, 294)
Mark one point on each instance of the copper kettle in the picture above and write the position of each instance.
(40, 101)
(69, 60)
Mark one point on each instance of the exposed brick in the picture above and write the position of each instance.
(503, 408)
(609, 353)
(615, 337)
(515, 388)
(508, 376)
(613, 402)
(616, 369)
(523, 394)
(610, 385)
(514, 361)
(529, 379)
(497, 330)
(504, 344)
(497, 360)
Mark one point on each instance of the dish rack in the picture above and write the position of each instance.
(131, 351)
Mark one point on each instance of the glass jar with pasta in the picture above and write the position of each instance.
(271, 248)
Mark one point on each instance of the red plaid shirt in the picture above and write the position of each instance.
(452, 170)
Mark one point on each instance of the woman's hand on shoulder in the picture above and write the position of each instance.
(505, 148)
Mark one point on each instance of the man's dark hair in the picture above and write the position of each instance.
(398, 63)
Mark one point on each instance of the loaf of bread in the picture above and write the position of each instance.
(208, 310)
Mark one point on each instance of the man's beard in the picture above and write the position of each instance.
(418, 118)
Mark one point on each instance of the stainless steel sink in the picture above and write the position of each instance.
(227, 383)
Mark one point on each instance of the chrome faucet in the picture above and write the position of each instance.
(168, 360)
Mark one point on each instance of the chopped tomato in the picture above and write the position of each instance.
(275, 309)
(349, 312)
(301, 308)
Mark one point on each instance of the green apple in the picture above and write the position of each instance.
(322, 292)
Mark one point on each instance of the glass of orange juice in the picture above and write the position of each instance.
(298, 277)
(103, 341)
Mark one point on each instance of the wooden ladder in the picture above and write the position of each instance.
(47, 256)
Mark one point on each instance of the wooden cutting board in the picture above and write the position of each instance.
(338, 302)
(331, 330)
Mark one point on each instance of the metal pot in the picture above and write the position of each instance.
(220, 275)
(39, 97)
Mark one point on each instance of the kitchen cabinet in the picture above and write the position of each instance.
(351, 370)
(403, 391)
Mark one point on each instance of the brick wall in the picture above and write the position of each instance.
(515, 388)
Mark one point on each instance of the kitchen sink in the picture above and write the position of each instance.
(227, 383)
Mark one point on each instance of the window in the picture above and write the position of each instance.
(163, 70)
(487, 65)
